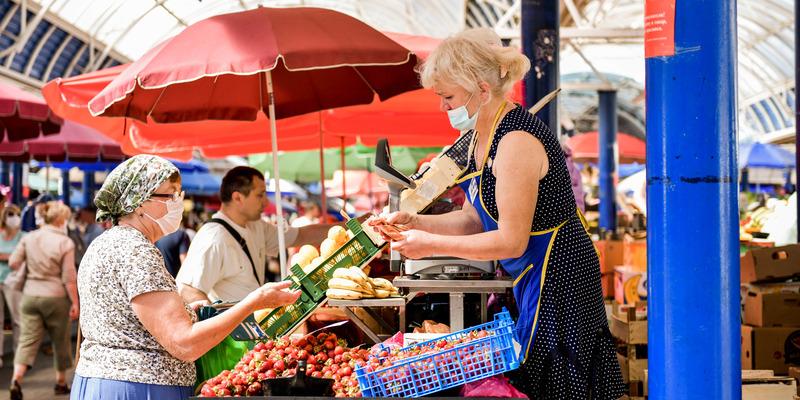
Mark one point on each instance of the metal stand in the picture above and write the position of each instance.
(368, 306)
(456, 289)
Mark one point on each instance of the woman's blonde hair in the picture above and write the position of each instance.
(474, 56)
(53, 210)
(4, 215)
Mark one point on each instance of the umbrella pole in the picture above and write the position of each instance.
(323, 199)
(279, 202)
(344, 173)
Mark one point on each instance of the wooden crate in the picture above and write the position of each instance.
(629, 323)
(632, 369)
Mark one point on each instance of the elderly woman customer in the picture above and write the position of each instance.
(140, 337)
(49, 297)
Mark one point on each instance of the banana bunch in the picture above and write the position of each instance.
(353, 284)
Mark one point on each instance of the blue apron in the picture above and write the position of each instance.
(528, 271)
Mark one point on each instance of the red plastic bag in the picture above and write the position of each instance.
(394, 342)
(496, 386)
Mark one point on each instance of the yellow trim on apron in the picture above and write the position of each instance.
(468, 177)
(541, 290)
(486, 158)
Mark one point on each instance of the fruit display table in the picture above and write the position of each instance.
(368, 306)
(456, 289)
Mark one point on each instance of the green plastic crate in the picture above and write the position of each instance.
(313, 285)
(355, 252)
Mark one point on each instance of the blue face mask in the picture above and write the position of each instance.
(460, 119)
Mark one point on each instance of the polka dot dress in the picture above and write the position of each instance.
(573, 354)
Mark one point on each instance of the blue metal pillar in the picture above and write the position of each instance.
(693, 225)
(88, 188)
(540, 42)
(5, 173)
(65, 186)
(16, 184)
(608, 159)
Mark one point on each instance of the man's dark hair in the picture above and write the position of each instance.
(239, 179)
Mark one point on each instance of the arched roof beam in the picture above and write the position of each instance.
(56, 56)
(121, 36)
(35, 54)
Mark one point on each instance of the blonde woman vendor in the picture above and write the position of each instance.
(520, 209)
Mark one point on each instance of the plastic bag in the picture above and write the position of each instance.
(496, 386)
(394, 342)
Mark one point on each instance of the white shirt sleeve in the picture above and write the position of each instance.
(204, 263)
(271, 234)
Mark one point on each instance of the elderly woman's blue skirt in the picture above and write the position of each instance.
(107, 389)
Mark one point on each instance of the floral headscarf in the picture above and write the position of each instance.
(130, 184)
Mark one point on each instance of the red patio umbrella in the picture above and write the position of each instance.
(75, 142)
(24, 116)
(584, 147)
(282, 61)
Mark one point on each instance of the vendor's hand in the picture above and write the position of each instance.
(74, 312)
(397, 218)
(272, 295)
(417, 244)
(195, 305)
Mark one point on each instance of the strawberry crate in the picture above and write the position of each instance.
(359, 250)
(417, 376)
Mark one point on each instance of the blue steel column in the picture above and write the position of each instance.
(88, 188)
(692, 239)
(65, 186)
(608, 159)
(5, 173)
(16, 184)
(540, 42)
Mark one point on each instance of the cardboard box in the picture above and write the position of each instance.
(794, 372)
(770, 348)
(635, 254)
(608, 285)
(770, 264)
(630, 285)
(611, 254)
(772, 305)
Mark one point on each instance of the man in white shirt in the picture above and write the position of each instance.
(217, 267)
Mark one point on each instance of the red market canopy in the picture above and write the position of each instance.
(584, 147)
(75, 142)
(24, 116)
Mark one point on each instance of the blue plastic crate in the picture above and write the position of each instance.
(434, 372)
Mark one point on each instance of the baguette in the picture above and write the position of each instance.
(346, 284)
(343, 294)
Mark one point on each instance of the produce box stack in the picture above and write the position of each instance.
(629, 328)
(611, 256)
(771, 297)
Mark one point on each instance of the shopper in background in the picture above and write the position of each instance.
(311, 214)
(10, 222)
(521, 210)
(141, 339)
(173, 248)
(87, 220)
(49, 297)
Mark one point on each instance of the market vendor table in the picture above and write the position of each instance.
(456, 288)
(368, 305)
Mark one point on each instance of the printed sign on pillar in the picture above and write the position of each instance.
(659, 28)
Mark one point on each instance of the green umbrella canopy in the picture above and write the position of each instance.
(303, 166)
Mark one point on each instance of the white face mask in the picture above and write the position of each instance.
(13, 222)
(460, 119)
(171, 221)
